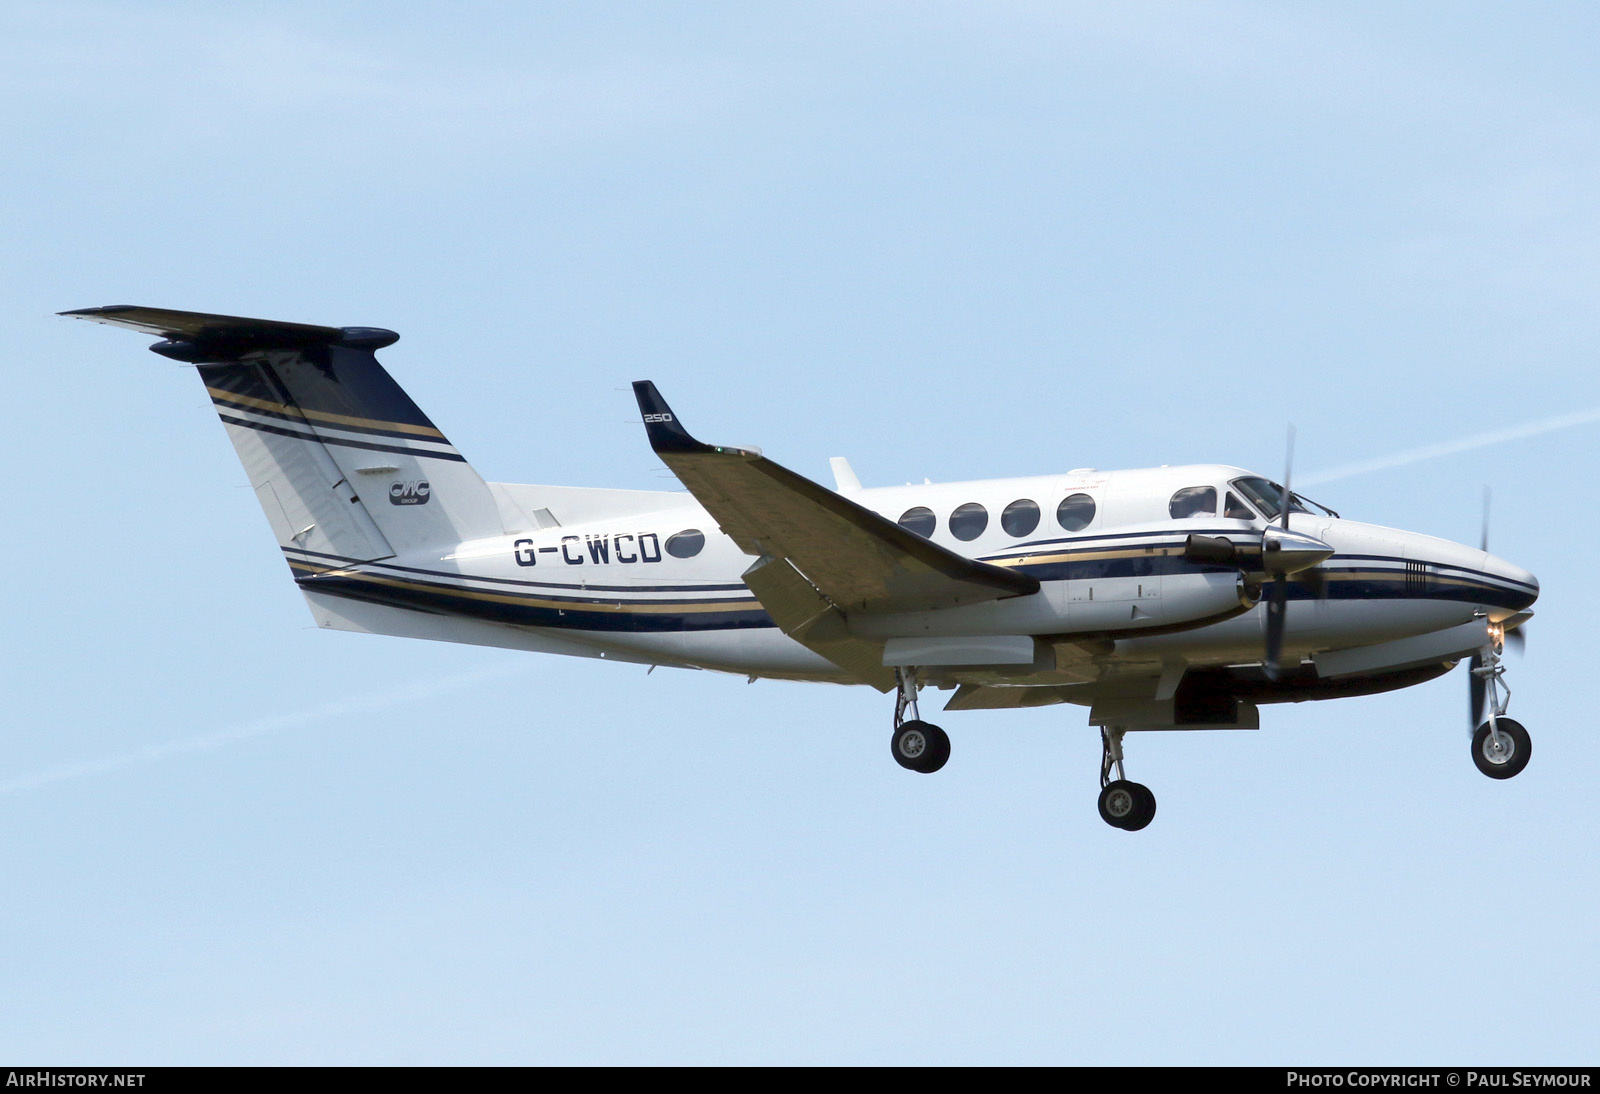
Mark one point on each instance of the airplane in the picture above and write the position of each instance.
(1167, 598)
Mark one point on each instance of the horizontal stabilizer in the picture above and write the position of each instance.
(199, 336)
(344, 463)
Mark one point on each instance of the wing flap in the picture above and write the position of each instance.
(805, 615)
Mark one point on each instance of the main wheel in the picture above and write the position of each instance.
(1512, 755)
(919, 746)
(1119, 803)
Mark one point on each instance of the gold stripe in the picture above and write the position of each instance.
(651, 608)
(251, 403)
(1336, 575)
(636, 608)
(1089, 556)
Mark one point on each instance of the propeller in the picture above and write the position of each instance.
(1284, 552)
(1483, 539)
(1512, 635)
(1278, 598)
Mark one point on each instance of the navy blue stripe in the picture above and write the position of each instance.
(298, 435)
(741, 587)
(298, 419)
(585, 618)
(1397, 589)
(581, 600)
(350, 382)
(1438, 566)
(329, 379)
(1176, 537)
(1339, 587)
(1118, 566)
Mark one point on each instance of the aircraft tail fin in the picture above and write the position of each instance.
(346, 466)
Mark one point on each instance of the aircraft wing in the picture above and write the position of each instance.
(858, 560)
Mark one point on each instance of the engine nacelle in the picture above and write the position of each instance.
(1151, 604)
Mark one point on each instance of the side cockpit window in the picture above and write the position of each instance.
(1236, 509)
(1193, 501)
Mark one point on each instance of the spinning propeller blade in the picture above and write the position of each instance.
(1288, 472)
(1277, 609)
(1483, 540)
(1278, 598)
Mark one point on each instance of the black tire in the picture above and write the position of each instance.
(920, 746)
(1119, 803)
(1506, 764)
(939, 754)
(1144, 807)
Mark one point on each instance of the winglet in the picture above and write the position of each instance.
(666, 433)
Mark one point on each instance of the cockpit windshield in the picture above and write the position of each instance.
(1267, 496)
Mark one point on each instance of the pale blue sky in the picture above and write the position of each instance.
(945, 240)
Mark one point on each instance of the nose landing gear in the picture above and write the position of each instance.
(916, 745)
(1501, 748)
(1123, 804)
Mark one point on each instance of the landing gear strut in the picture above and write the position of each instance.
(1501, 747)
(916, 745)
(1123, 804)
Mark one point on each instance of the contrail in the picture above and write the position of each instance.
(362, 704)
(1449, 448)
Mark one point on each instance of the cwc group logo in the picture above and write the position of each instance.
(416, 492)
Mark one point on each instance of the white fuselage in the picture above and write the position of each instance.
(606, 580)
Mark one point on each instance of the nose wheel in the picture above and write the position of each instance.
(916, 745)
(1127, 805)
(1501, 749)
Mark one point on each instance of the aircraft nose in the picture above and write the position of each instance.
(1521, 588)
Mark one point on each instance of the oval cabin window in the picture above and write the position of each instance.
(686, 544)
(1021, 517)
(919, 520)
(969, 521)
(1075, 512)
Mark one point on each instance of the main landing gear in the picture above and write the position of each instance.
(1500, 747)
(1123, 804)
(916, 745)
